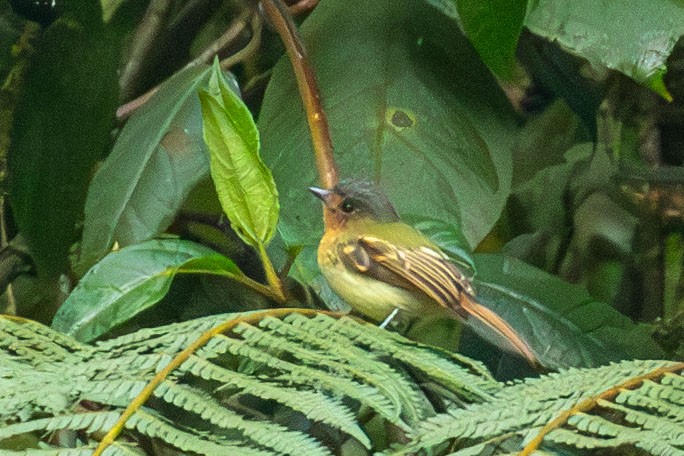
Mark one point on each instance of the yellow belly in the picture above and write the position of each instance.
(370, 297)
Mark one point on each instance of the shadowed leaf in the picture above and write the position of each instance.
(157, 159)
(128, 281)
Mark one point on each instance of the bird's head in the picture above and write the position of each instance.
(355, 201)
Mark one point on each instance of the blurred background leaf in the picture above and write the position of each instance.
(157, 159)
(563, 324)
(632, 37)
(61, 128)
(493, 27)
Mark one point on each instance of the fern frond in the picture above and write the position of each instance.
(115, 450)
(388, 399)
(469, 378)
(155, 426)
(342, 358)
(90, 422)
(336, 380)
(46, 345)
(317, 407)
(606, 407)
(261, 433)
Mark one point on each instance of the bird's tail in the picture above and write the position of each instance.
(493, 322)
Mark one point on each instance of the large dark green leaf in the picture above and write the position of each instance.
(61, 128)
(410, 105)
(157, 159)
(560, 321)
(632, 37)
(243, 183)
(494, 26)
(131, 280)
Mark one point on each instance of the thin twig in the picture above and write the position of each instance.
(233, 32)
(282, 21)
(143, 43)
(250, 48)
(228, 38)
(302, 6)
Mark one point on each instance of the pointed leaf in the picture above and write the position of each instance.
(632, 37)
(131, 280)
(157, 159)
(243, 183)
(494, 26)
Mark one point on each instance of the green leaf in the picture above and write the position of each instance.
(560, 321)
(131, 280)
(494, 26)
(632, 37)
(410, 105)
(62, 126)
(157, 159)
(538, 210)
(244, 185)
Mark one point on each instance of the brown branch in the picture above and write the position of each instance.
(282, 21)
(302, 6)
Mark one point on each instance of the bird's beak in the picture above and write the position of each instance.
(321, 193)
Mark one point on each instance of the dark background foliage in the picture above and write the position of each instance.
(546, 137)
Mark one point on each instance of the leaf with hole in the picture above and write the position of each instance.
(157, 159)
(410, 105)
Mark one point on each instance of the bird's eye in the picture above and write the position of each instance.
(347, 206)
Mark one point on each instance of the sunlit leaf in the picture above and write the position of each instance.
(632, 37)
(244, 185)
(131, 280)
(157, 159)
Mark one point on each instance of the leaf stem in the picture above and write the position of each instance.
(282, 21)
(275, 285)
(266, 290)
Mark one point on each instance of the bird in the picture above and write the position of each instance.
(380, 266)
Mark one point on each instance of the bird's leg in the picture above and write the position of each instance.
(389, 318)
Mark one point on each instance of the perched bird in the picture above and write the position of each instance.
(379, 265)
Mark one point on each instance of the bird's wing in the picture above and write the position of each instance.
(429, 272)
